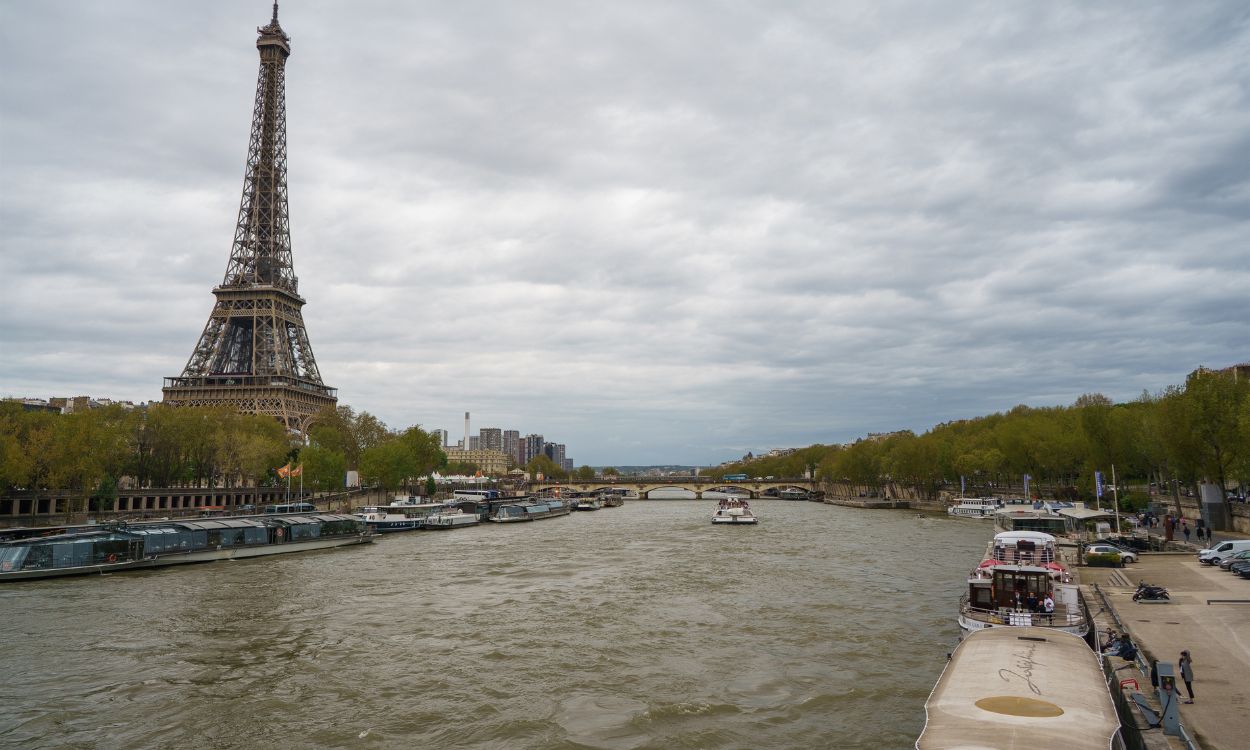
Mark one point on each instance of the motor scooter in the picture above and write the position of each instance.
(1150, 593)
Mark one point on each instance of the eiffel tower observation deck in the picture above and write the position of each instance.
(254, 352)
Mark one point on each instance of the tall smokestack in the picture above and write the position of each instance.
(466, 430)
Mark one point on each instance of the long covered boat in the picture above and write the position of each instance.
(1026, 688)
(529, 510)
(150, 545)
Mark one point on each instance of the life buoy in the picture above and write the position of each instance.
(7, 566)
(111, 558)
(278, 533)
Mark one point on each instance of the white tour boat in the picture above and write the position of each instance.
(385, 519)
(405, 513)
(1010, 588)
(975, 507)
(449, 517)
(733, 509)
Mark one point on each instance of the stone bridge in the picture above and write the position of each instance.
(644, 486)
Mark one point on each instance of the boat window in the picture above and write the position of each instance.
(70, 554)
(12, 557)
(305, 530)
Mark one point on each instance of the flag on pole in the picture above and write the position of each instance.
(961, 484)
(297, 471)
(284, 471)
(1026, 485)
(1098, 484)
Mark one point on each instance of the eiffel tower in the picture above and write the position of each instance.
(254, 352)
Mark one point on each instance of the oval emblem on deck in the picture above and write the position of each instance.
(1014, 705)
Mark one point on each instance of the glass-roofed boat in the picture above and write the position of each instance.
(148, 545)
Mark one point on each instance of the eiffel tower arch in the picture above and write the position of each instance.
(254, 352)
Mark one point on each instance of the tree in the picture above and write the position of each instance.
(610, 471)
(585, 473)
(388, 465)
(545, 466)
(402, 457)
(1214, 402)
(343, 430)
(425, 448)
(324, 469)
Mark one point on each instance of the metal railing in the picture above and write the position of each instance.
(1062, 616)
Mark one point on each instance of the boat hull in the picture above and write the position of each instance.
(391, 527)
(196, 556)
(457, 521)
(735, 520)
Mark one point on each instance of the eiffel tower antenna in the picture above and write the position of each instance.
(254, 352)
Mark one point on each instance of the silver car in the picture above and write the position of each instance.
(1106, 549)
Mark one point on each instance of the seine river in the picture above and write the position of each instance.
(635, 627)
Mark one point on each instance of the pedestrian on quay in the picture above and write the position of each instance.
(1185, 530)
(1187, 673)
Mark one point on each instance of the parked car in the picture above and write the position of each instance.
(1227, 562)
(1241, 568)
(1214, 555)
(1140, 544)
(1110, 549)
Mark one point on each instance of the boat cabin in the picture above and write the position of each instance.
(1009, 586)
(69, 551)
(1024, 547)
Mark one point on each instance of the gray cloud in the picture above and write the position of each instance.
(653, 232)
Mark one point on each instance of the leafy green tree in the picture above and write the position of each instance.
(324, 469)
(545, 466)
(400, 458)
(585, 473)
(1213, 403)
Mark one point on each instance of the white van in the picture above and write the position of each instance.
(1222, 550)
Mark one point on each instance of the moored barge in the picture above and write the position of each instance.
(1021, 688)
(151, 545)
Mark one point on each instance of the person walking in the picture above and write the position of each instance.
(1185, 531)
(1187, 673)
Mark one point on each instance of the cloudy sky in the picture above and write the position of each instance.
(657, 232)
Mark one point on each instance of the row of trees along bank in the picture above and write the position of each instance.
(93, 452)
(1176, 438)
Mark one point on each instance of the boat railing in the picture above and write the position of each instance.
(1063, 615)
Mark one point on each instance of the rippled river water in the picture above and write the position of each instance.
(635, 627)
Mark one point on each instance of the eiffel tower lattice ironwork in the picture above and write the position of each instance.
(254, 352)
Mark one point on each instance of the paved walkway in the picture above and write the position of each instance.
(1217, 636)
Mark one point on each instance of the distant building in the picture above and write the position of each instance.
(35, 404)
(877, 437)
(1239, 372)
(475, 443)
(493, 463)
(491, 439)
(531, 448)
(555, 451)
(69, 405)
(512, 445)
(441, 436)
